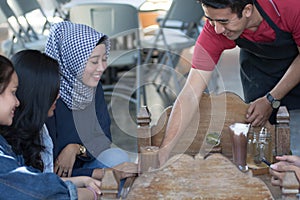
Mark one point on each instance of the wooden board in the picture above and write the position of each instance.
(216, 113)
(184, 177)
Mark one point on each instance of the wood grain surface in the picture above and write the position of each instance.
(185, 177)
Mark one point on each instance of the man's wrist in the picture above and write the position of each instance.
(275, 103)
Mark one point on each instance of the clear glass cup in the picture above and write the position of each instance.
(238, 135)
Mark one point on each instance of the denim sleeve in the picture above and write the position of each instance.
(72, 190)
(26, 183)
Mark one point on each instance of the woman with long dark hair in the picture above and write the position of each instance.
(37, 92)
(16, 180)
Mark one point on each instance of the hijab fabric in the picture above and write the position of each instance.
(71, 45)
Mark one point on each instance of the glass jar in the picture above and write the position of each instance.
(259, 146)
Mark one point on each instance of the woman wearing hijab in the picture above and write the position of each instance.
(80, 126)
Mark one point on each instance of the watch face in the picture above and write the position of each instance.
(275, 104)
(82, 149)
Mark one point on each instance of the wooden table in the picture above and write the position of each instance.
(184, 177)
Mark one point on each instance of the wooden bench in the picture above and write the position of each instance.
(216, 114)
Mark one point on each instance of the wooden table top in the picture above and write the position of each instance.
(185, 177)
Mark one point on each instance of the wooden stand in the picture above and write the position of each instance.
(216, 114)
(143, 129)
(109, 185)
(148, 158)
(282, 137)
(290, 186)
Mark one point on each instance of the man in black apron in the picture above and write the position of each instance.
(270, 71)
(264, 64)
(262, 67)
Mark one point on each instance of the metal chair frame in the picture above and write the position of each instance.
(181, 24)
(20, 39)
(22, 8)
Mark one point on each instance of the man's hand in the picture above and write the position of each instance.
(259, 112)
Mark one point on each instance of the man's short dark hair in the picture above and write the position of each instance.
(237, 6)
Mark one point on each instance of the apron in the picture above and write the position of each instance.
(264, 64)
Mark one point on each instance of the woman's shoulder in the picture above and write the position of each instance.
(99, 95)
(6, 150)
(61, 106)
(99, 89)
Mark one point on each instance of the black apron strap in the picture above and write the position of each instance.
(264, 64)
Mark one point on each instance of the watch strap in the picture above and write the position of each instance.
(275, 103)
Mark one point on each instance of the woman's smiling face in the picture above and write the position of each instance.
(96, 65)
(9, 101)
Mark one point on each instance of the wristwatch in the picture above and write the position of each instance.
(275, 103)
(82, 150)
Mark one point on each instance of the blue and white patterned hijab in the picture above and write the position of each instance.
(71, 45)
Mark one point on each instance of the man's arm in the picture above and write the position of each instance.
(260, 110)
(184, 108)
(290, 79)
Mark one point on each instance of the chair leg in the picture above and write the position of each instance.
(168, 59)
(160, 66)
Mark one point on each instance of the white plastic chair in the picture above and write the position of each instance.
(59, 11)
(177, 31)
(9, 17)
(20, 38)
(25, 9)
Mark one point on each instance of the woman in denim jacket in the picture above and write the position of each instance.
(16, 180)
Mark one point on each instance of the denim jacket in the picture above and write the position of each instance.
(25, 183)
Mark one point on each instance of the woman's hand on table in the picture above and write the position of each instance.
(123, 170)
(65, 161)
(85, 181)
(87, 194)
(87, 187)
(291, 159)
(279, 169)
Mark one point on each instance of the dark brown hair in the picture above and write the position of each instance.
(237, 6)
(6, 71)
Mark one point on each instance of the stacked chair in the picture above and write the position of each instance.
(23, 9)
(58, 9)
(17, 13)
(177, 31)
